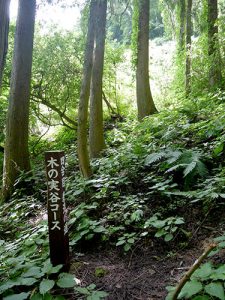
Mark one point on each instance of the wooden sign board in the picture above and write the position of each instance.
(57, 215)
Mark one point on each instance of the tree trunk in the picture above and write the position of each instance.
(188, 48)
(145, 101)
(16, 157)
(215, 75)
(182, 10)
(83, 154)
(4, 31)
(96, 136)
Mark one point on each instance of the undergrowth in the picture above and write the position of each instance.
(154, 180)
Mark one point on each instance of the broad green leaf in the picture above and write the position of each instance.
(168, 237)
(91, 286)
(160, 233)
(127, 247)
(83, 291)
(121, 242)
(66, 280)
(47, 267)
(36, 297)
(215, 289)
(28, 281)
(97, 295)
(8, 285)
(55, 269)
(47, 297)
(158, 224)
(33, 272)
(218, 149)
(99, 229)
(46, 285)
(190, 289)
(179, 221)
(21, 296)
(219, 273)
(203, 272)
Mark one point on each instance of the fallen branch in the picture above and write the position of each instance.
(194, 267)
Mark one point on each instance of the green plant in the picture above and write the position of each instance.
(189, 161)
(207, 282)
(86, 227)
(165, 228)
(91, 293)
(127, 240)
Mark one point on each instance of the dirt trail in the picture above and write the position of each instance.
(142, 274)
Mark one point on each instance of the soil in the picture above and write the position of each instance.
(142, 274)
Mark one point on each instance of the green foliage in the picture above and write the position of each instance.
(189, 161)
(56, 76)
(165, 228)
(91, 293)
(26, 272)
(149, 174)
(207, 282)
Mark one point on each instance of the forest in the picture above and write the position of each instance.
(112, 149)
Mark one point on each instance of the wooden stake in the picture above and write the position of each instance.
(57, 216)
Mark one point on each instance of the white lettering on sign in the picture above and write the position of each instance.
(52, 163)
(53, 173)
(55, 225)
(53, 197)
(53, 186)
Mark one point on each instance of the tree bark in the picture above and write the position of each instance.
(215, 75)
(4, 31)
(16, 157)
(83, 153)
(182, 11)
(188, 48)
(145, 101)
(96, 134)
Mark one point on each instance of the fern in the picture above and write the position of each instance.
(194, 165)
(190, 168)
(189, 161)
(154, 157)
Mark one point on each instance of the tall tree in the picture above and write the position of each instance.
(4, 31)
(96, 136)
(16, 146)
(145, 101)
(188, 47)
(83, 153)
(182, 12)
(215, 75)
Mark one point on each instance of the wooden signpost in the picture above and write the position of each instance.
(57, 216)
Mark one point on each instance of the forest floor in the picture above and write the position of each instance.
(143, 274)
(146, 271)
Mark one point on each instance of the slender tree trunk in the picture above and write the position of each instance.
(188, 48)
(96, 136)
(145, 101)
(4, 31)
(182, 12)
(215, 75)
(83, 153)
(16, 157)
